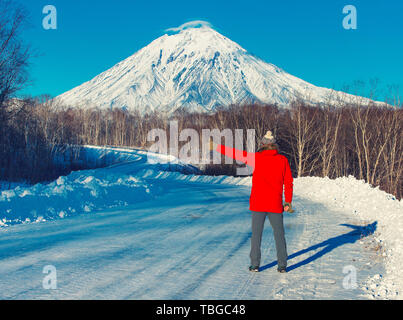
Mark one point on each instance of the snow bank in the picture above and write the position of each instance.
(172, 175)
(86, 191)
(6, 185)
(358, 198)
(91, 157)
(79, 192)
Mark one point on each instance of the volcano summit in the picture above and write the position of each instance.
(198, 69)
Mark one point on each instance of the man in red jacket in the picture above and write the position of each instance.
(271, 175)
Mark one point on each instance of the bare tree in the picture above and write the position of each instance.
(14, 54)
(328, 138)
(302, 135)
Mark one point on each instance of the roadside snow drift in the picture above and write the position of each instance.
(79, 192)
(357, 198)
(88, 190)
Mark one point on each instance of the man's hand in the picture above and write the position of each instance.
(288, 207)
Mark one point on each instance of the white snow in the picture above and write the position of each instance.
(134, 230)
(198, 69)
(358, 198)
(83, 191)
(6, 185)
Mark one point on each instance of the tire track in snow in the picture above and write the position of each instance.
(151, 282)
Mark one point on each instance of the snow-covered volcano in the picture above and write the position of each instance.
(195, 68)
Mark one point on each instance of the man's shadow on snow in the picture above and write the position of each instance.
(328, 245)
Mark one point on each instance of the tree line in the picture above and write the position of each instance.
(360, 140)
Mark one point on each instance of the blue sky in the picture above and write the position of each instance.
(305, 38)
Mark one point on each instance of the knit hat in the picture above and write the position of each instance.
(268, 138)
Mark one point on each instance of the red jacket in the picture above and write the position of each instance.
(271, 172)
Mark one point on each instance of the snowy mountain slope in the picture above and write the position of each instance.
(198, 69)
(130, 243)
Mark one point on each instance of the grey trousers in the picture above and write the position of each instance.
(276, 221)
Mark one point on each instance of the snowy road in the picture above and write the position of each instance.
(189, 242)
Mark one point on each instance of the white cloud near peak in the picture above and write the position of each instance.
(190, 24)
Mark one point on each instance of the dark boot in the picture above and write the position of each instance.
(282, 270)
(254, 269)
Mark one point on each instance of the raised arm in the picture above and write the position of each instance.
(239, 155)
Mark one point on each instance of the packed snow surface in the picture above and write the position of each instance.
(141, 229)
(197, 69)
